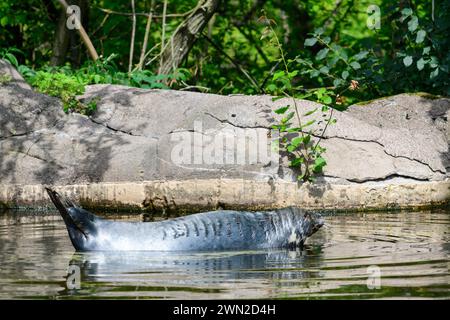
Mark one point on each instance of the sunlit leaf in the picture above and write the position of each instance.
(355, 65)
(282, 110)
(420, 36)
(407, 61)
(310, 112)
(420, 64)
(413, 23)
(322, 53)
(310, 42)
(278, 75)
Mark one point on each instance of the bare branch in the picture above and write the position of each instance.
(169, 15)
(184, 37)
(133, 34)
(147, 31)
(84, 37)
(163, 34)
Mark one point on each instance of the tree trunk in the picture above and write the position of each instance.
(181, 42)
(61, 41)
(67, 42)
(75, 44)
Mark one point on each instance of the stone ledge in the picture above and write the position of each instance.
(190, 196)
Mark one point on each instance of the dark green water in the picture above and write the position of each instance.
(411, 250)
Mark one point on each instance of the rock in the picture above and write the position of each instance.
(7, 68)
(160, 142)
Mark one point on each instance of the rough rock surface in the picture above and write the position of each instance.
(135, 133)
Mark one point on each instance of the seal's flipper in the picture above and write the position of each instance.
(80, 223)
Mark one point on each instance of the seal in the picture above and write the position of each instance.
(207, 231)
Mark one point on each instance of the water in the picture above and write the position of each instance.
(411, 250)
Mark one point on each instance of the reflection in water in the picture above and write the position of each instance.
(197, 272)
(411, 249)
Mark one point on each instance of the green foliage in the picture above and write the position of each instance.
(105, 70)
(322, 51)
(66, 82)
(328, 41)
(4, 78)
(8, 55)
(300, 142)
(63, 86)
(425, 51)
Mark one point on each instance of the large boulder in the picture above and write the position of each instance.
(167, 142)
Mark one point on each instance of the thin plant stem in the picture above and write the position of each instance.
(163, 33)
(297, 113)
(133, 34)
(147, 31)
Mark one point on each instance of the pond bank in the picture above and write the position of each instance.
(189, 196)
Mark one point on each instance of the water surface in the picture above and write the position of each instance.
(409, 250)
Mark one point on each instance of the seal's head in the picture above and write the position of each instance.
(311, 223)
(308, 224)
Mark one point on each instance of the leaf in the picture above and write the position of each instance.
(322, 53)
(337, 82)
(320, 92)
(420, 64)
(277, 98)
(310, 42)
(324, 70)
(296, 162)
(413, 23)
(420, 36)
(306, 139)
(434, 73)
(296, 129)
(308, 123)
(291, 148)
(319, 31)
(326, 40)
(282, 110)
(327, 99)
(265, 33)
(315, 73)
(426, 50)
(271, 87)
(292, 74)
(355, 65)
(407, 12)
(289, 117)
(345, 74)
(4, 21)
(434, 62)
(297, 141)
(319, 163)
(407, 61)
(278, 75)
(310, 112)
(361, 55)
(11, 58)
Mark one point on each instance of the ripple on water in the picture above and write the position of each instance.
(410, 248)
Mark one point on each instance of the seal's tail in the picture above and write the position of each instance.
(80, 223)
